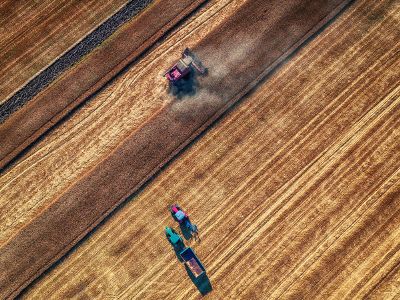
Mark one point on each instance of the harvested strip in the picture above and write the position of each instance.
(299, 172)
(88, 136)
(78, 83)
(142, 153)
(35, 33)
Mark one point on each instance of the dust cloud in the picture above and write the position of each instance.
(221, 64)
(223, 61)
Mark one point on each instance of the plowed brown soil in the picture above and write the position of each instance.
(35, 33)
(296, 191)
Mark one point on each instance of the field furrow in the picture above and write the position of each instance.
(286, 157)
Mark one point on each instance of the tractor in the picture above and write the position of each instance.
(182, 218)
(174, 238)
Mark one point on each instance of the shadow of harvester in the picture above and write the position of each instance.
(187, 86)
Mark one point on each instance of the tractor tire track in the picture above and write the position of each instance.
(86, 203)
(271, 217)
(46, 109)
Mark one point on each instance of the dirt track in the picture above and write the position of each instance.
(35, 33)
(292, 181)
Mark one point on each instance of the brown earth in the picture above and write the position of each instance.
(94, 70)
(35, 33)
(295, 192)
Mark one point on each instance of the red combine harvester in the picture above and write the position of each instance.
(183, 67)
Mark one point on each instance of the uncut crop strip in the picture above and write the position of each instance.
(33, 34)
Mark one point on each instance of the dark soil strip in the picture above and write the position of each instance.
(76, 84)
(277, 30)
(90, 42)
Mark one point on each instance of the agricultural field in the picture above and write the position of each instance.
(286, 154)
(22, 22)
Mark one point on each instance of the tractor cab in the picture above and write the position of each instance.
(178, 213)
(173, 237)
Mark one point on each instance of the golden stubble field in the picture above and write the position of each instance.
(33, 34)
(295, 191)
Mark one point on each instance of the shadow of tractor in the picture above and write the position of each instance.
(187, 234)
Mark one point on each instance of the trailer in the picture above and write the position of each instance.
(192, 262)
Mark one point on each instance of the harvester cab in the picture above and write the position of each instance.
(183, 67)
